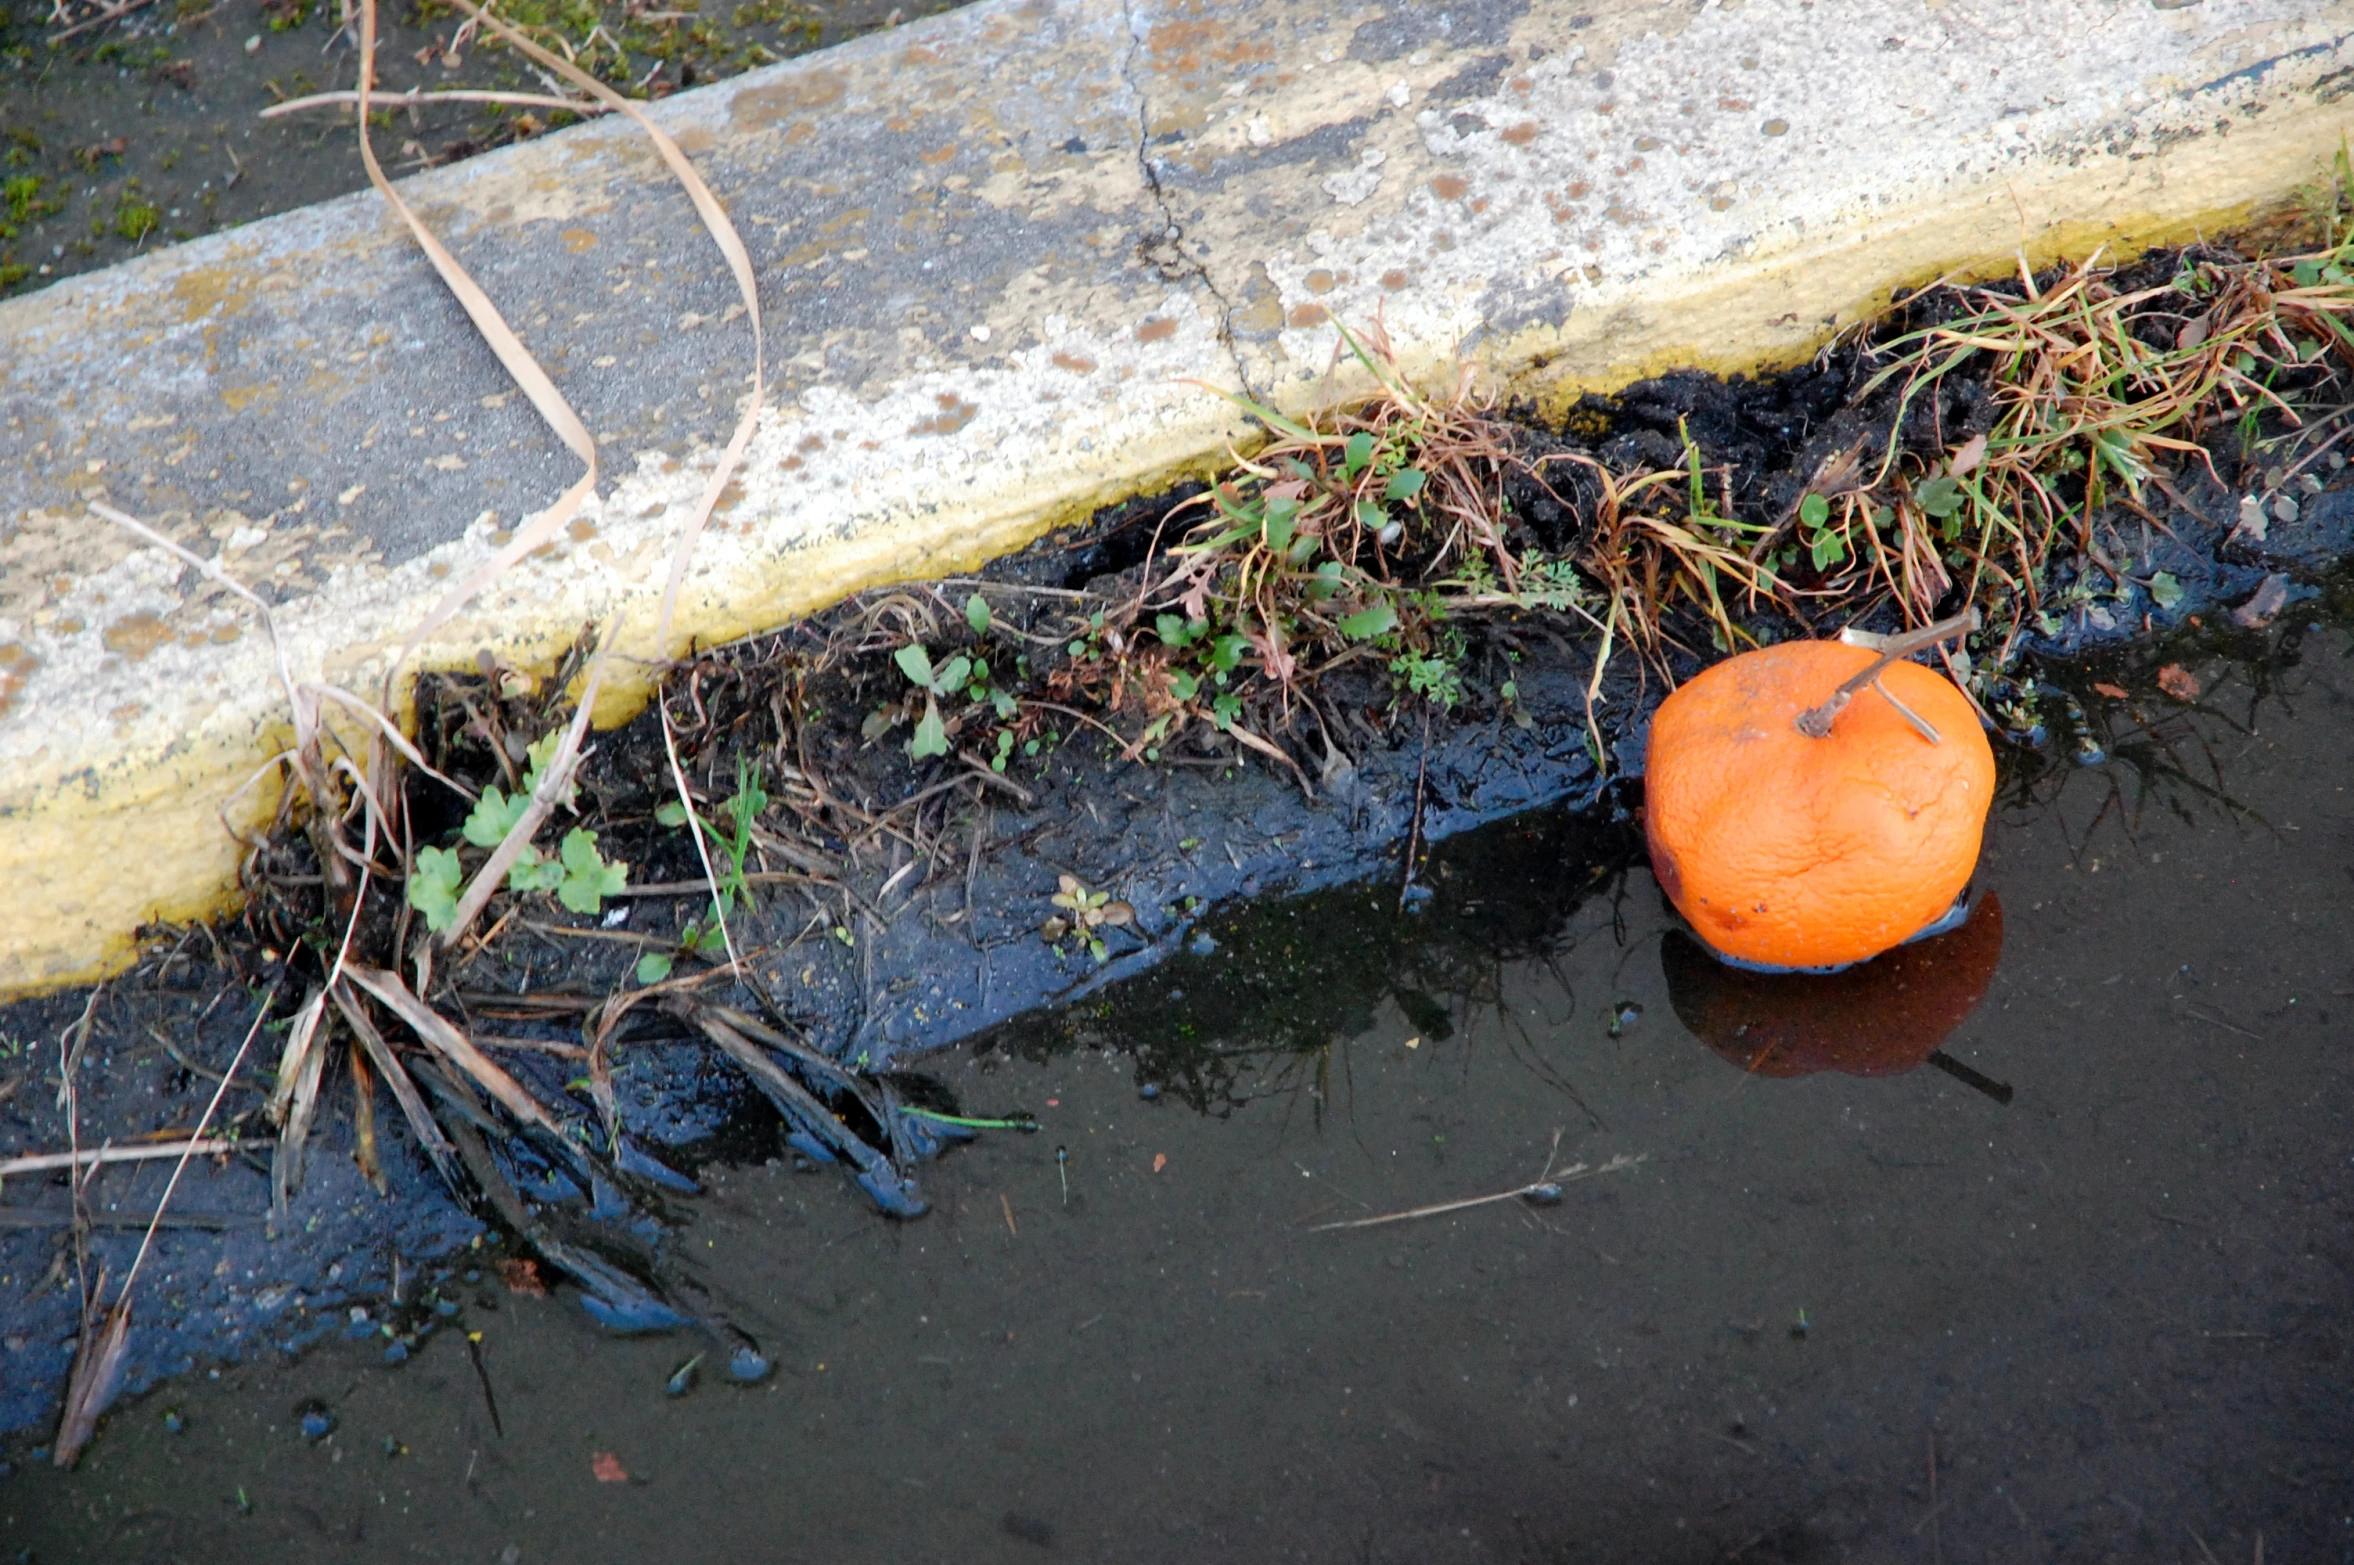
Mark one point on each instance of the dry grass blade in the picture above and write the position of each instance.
(113, 13)
(739, 262)
(97, 1379)
(444, 1039)
(418, 97)
(301, 1067)
(1544, 1188)
(435, 1145)
(212, 572)
(678, 779)
(512, 355)
(388, 731)
(799, 1104)
(307, 757)
(363, 1124)
(824, 1065)
(197, 1142)
(100, 1357)
(51, 1162)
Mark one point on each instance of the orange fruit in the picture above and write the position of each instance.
(1880, 1018)
(1793, 851)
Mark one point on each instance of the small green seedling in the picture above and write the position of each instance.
(1085, 913)
(708, 933)
(1827, 548)
(931, 734)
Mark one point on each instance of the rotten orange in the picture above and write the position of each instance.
(1814, 803)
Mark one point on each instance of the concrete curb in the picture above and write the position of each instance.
(998, 248)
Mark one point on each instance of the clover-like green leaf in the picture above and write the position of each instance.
(535, 871)
(588, 876)
(493, 816)
(433, 886)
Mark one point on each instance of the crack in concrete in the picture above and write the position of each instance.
(1166, 250)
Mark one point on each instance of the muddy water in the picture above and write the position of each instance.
(2082, 1294)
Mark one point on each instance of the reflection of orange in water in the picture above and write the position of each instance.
(1879, 1018)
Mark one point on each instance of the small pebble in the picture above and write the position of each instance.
(1202, 944)
(398, 1353)
(173, 1423)
(2283, 508)
(747, 1366)
(1149, 1092)
(2310, 483)
(316, 1425)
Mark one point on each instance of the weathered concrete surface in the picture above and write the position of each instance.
(998, 250)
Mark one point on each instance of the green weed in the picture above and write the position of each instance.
(580, 876)
(706, 933)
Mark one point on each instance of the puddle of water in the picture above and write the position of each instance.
(1829, 1315)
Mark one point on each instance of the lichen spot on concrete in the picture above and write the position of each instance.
(1318, 281)
(1308, 315)
(16, 666)
(1156, 328)
(954, 414)
(1522, 134)
(1450, 187)
(1076, 363)
(581, 530)
(136, 635)
(765, 105)
(578, 239)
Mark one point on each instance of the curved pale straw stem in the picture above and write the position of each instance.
(1815, 722)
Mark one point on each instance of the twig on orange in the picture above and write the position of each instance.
(1815, 722)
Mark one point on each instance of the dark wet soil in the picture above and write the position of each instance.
(147, 131)
(1829, 1316)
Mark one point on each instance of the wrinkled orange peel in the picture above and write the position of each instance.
(1799, 827)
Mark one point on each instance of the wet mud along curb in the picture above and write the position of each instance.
(1001, 252)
